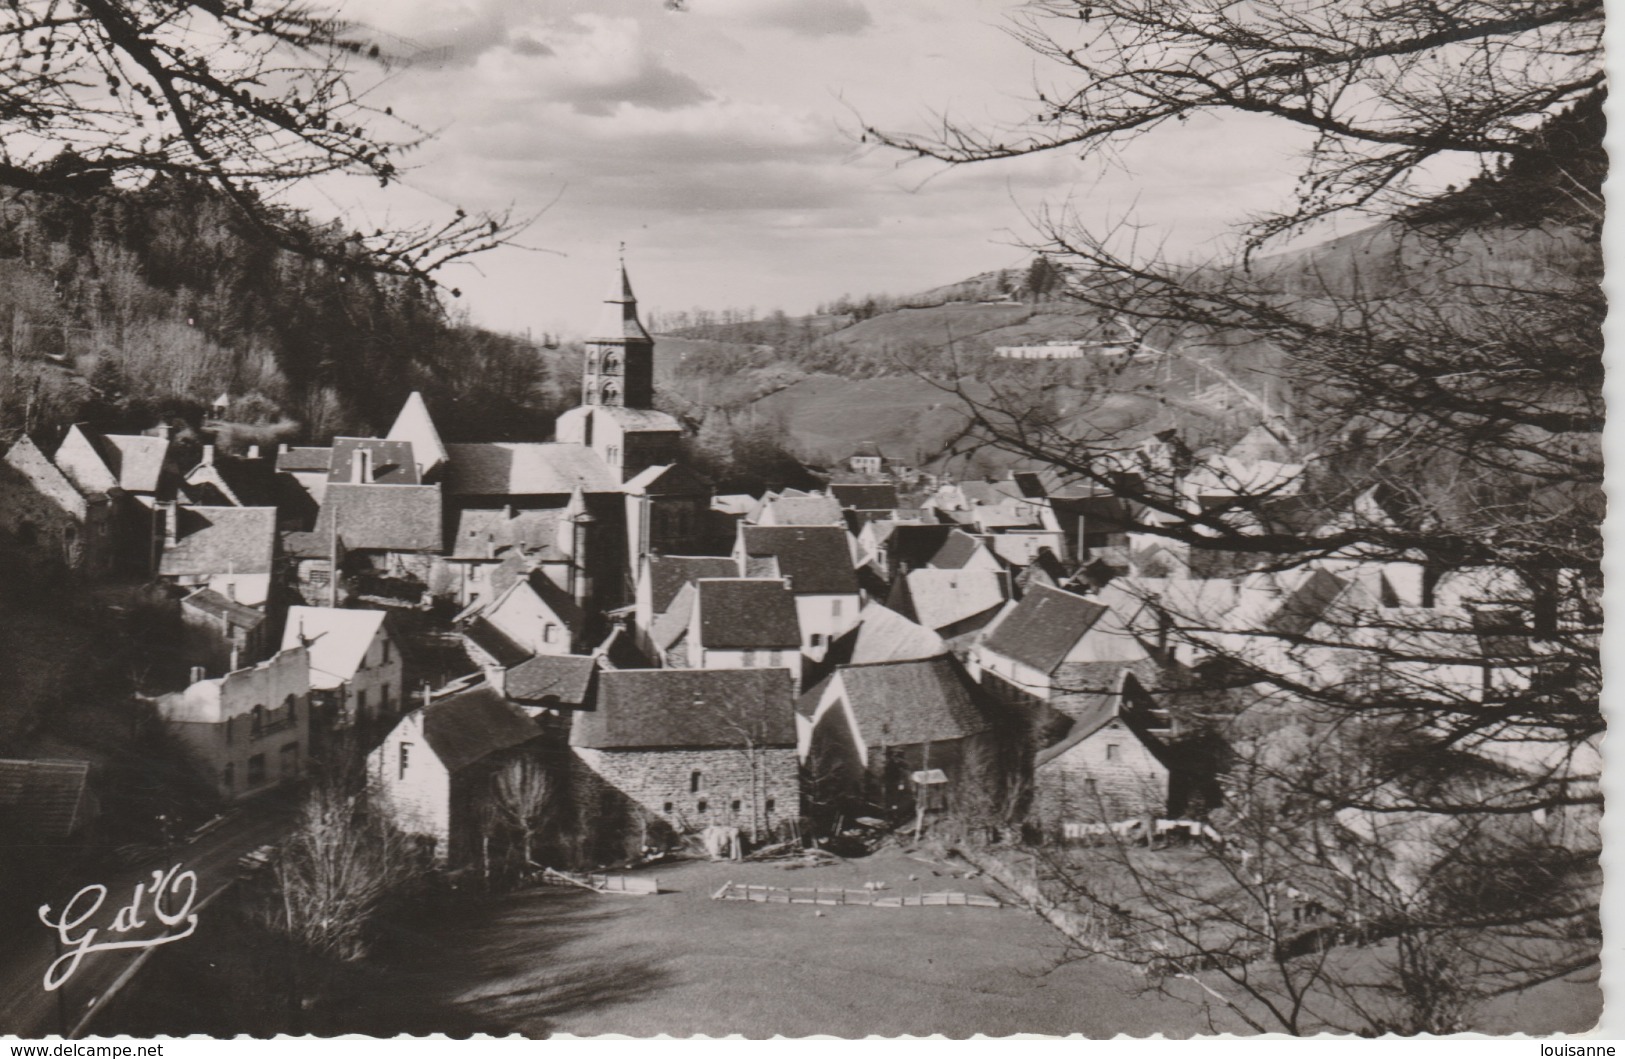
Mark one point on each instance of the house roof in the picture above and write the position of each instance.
(1095, 715)
(638, 420)
(817, 559)
(218, 540)
(883, 635)
(1044, 627)
(82, 461)
(1306, 604)
(669, 626)
(216, 605)
(392, 461)
(138, 460)
(565, 679)
(416, 427)
(335, 638)
(669, 573)
(305, 459)
(526, 469)
(944, 597)
(485, 533)
(618, 319)
(747, 614)
(957, 550)
(47, 797)
(496, 643)
(25, 458)
(240, 481)
(803, 511)
(474, 724)
(912, 702)
(864, 496)
(684, 708)
(913, 544)
(869, 449)
(389, 518)
(668, 479)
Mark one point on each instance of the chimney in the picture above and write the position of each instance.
(281, 448)
(196, 674)
(253, 452)
(361, 466)
(208, 455)
(236, 654)
(169, 511)
(161, 431)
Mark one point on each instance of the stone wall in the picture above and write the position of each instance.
(621, 795)
(1109, 776)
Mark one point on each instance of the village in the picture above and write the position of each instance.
(555, 659)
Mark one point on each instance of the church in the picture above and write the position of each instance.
(585, 508)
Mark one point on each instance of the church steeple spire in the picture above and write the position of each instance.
(619, 368)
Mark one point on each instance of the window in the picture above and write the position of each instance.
(694, 779)
(835, 607)
(775, 658)
(665, 807)
(291, 704)
(406, 759)
(228, 776)
(733, 806)
(818, 639)
(383, 699)
(1111, 751)
(550, 634)
(256, 720)
(361, 703)
(700, 805)
(256, 770)
(747, 658)
(614, 456)
(770, 805)
(385, 655)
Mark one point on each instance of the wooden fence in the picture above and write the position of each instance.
(830, 895)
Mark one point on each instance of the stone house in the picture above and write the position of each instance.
(816, 562)
(676, 750)
(667, 511)
(534, 614)
(381, 532)
(870, 735)
(356, 671)
(433, 768)
(54, 522)
(1053, 653)
(248, 730)
(1109, 768)
(955, 604)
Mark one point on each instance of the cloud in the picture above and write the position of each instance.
(805, 18)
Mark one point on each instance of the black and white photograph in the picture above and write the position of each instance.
(801, 518)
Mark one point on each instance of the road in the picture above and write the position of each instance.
(28, 1010)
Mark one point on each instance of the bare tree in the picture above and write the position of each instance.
(248, 97)
(1418, 769)
(522, 797)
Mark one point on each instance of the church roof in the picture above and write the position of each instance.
(415, 426)
(618, 320)
(527, 469)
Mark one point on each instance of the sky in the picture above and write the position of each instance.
(721, 144)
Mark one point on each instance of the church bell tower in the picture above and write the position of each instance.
(619, 369)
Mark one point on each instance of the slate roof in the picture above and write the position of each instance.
(138, 460)
(304, 460)
(957, 550)
(803, 511)
(485, 533)
(915, 543)
(336, 639)
(1097, 715)
(1100, 514)
(944, 597)
(669, 627)
(1299, 612)
(416, 427)
(474, 724)
(908, 703)
(638, 420)
(883, 635)
(747, 614)
(218, 540)
(526, 469)
(392, 461)
(388, 518)
(216, 605)
(817, 559)
(494, 642)
(561, 679)
(251, 481)
(655, 709)
(1044, 627)
(47, 797)
(669, 573)
(669, 479)
(864, 496)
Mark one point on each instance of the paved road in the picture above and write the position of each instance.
(28, 1010)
